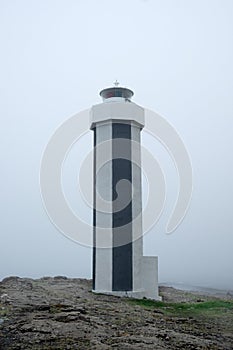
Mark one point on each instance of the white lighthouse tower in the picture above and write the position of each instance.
(119, 267)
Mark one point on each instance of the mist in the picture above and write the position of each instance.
(177, 58)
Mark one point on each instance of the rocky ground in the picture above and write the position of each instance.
(60, 313)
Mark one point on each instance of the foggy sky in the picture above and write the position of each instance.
(177, 57)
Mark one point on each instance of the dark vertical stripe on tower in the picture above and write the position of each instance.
(94, 215)
(122, 279)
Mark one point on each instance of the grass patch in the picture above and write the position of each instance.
(214, 307)
(4, 310)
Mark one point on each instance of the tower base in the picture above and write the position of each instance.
(149, 277)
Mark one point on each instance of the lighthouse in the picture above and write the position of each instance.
(119, 267)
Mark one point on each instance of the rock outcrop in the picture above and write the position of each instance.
(61, 313)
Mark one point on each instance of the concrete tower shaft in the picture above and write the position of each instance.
(119, 267)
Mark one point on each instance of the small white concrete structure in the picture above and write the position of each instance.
(119, 267)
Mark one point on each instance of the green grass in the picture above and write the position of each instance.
(213, 307)
(4, 310)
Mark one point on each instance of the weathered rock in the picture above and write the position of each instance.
(61, 313)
